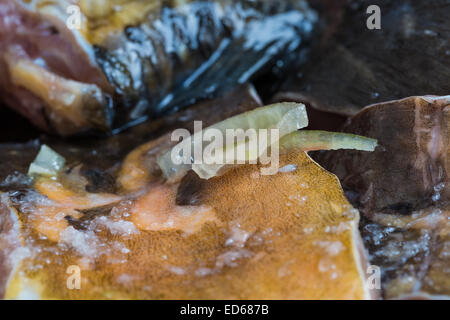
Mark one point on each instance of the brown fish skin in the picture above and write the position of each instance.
(412, 157)
(408, 56)
(402, 190)
(255, 242)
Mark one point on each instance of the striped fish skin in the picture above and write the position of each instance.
(136, 60)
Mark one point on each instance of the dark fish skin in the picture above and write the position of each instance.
(109, 76)
(408, 56)
(413, 260)
(402, 190)
(197, 51)
(413, 156)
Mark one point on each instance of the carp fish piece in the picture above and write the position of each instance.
(120, 62)
(237, 235)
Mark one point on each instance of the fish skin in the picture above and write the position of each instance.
(207, 49)
(413, 156)
(402, 191)
(170, 56)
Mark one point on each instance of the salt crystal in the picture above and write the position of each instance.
(120, 227)
(238, 237)
(308, 230)
(84, 243)
(202, 272)
(125, 278)
(176, 270)
(288, 168)
(333, 248)
(230, 258)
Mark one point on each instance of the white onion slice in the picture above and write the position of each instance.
(286, 117)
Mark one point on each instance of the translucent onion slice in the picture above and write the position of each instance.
(311, 140)
(47, 163)
(287, 117)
